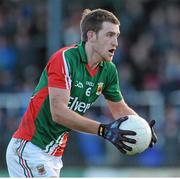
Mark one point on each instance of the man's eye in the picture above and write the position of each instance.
(109, 35)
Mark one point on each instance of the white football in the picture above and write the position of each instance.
(143, 133)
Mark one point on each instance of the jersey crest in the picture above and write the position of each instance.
(99, 88)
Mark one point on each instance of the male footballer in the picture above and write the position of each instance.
(72, 80)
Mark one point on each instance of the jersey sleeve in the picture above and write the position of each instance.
(112, 90)
(58, 71)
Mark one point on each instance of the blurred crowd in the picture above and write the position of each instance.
(148, 58)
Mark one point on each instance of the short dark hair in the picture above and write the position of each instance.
(93, 19)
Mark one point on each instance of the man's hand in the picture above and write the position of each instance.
(154, 136)
(116, 136)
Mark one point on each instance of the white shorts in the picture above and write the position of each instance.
(25, 159)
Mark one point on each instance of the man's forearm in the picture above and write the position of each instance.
(74, 121)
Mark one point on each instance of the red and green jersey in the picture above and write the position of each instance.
(67, 69)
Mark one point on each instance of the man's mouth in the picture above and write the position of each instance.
(112, 51)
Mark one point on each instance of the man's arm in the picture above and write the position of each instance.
(61, 114)
(120, 109)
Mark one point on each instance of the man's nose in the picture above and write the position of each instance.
(115, 42)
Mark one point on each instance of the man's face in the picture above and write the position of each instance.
(106, 41)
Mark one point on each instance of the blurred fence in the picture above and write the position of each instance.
(86, 150)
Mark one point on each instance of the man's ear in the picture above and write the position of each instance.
(91, 35)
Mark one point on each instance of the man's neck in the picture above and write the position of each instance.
(92, 57)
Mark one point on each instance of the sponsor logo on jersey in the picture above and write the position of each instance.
(79, 84)
(99, 88)
(77, 105)
(89, 83)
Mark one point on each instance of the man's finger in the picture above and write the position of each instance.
(127, 132)
(129, 140)
(152, 123)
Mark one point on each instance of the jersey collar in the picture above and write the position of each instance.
(81, 47)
